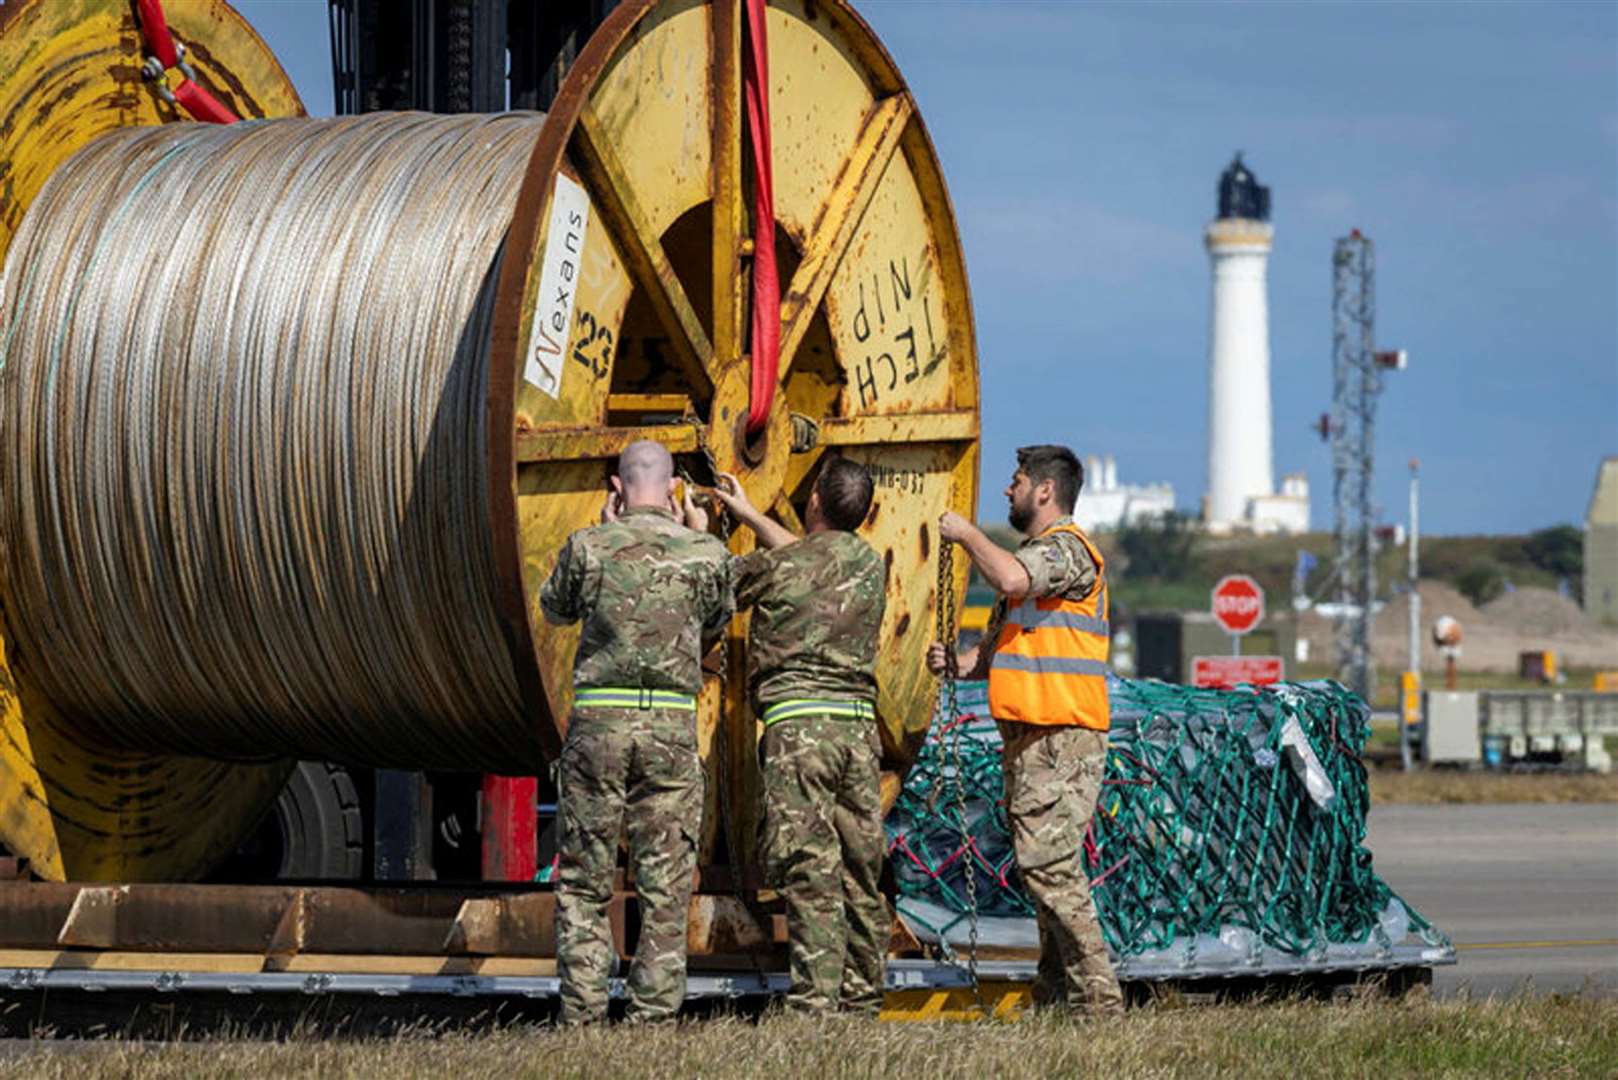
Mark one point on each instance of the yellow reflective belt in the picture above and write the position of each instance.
(630, 697)
(788, 710)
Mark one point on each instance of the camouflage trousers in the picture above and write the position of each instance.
(1053, 778)
(637, 771)
(822, 847)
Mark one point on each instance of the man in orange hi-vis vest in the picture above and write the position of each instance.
(1045, 656)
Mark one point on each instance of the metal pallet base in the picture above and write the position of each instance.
(902, 975)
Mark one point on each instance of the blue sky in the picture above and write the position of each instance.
(1477, 144)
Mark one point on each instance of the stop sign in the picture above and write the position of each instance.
(1238, 603)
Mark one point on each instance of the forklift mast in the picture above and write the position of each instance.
(454, 56)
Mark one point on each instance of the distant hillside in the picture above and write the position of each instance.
(1481, 567)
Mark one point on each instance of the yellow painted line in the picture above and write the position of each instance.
(1001, 1001)
(1578, 943)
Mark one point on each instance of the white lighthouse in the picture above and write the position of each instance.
(1241, 476)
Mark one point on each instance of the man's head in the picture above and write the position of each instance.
(841, 497)
(645, 475)
(1044, 488)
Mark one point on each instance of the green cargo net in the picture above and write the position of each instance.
(1231, 825)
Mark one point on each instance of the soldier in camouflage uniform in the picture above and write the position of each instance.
(817, 609)
(648, 589)
(1053, 763)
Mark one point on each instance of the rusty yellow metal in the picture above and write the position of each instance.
(250, 963)
(625, 218)
(78, 812)
(879, 347)
(1002, 1000)
(976, 617)
(666, 404)
(845, 207)
(729, 296)
(557, 444)
(947, 426)
(69, 72)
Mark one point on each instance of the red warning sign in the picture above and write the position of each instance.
(1224, 672)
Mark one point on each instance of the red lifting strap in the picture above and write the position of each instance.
(189, 95)
(766, 280)
(155, 29)
(202, 105)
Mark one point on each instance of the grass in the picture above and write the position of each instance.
(1436, 786)
(1150, 595)
(1445, 558)
(1271, 560)
(1558, 1035)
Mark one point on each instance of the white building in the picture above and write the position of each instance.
(1241, 478)
(1105, 504)
(1287, 512)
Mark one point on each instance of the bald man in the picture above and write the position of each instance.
(649, 585)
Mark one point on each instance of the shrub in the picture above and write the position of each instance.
(1162, 548)
(1481, 582)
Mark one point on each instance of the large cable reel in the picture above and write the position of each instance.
(638, 188)
(619, 313)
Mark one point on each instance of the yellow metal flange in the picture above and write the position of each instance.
(69, 72)
(622, 312)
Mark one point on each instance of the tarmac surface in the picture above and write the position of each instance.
(1528, 892)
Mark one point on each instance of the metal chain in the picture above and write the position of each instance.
(722, 512)
(951, 676)
(722, 763)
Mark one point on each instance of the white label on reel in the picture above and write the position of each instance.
(558, 286)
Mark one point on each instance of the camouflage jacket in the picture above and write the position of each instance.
(1058, 565)
(648, 590)
(817, 610)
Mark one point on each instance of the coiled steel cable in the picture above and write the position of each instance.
(243, 445)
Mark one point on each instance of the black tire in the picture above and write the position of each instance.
(321, 826)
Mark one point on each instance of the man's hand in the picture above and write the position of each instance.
(695, 516)
(953, 528)
(729, 491)
(612, 507)
(770, 533)
(1000, 568)
(965, 663)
